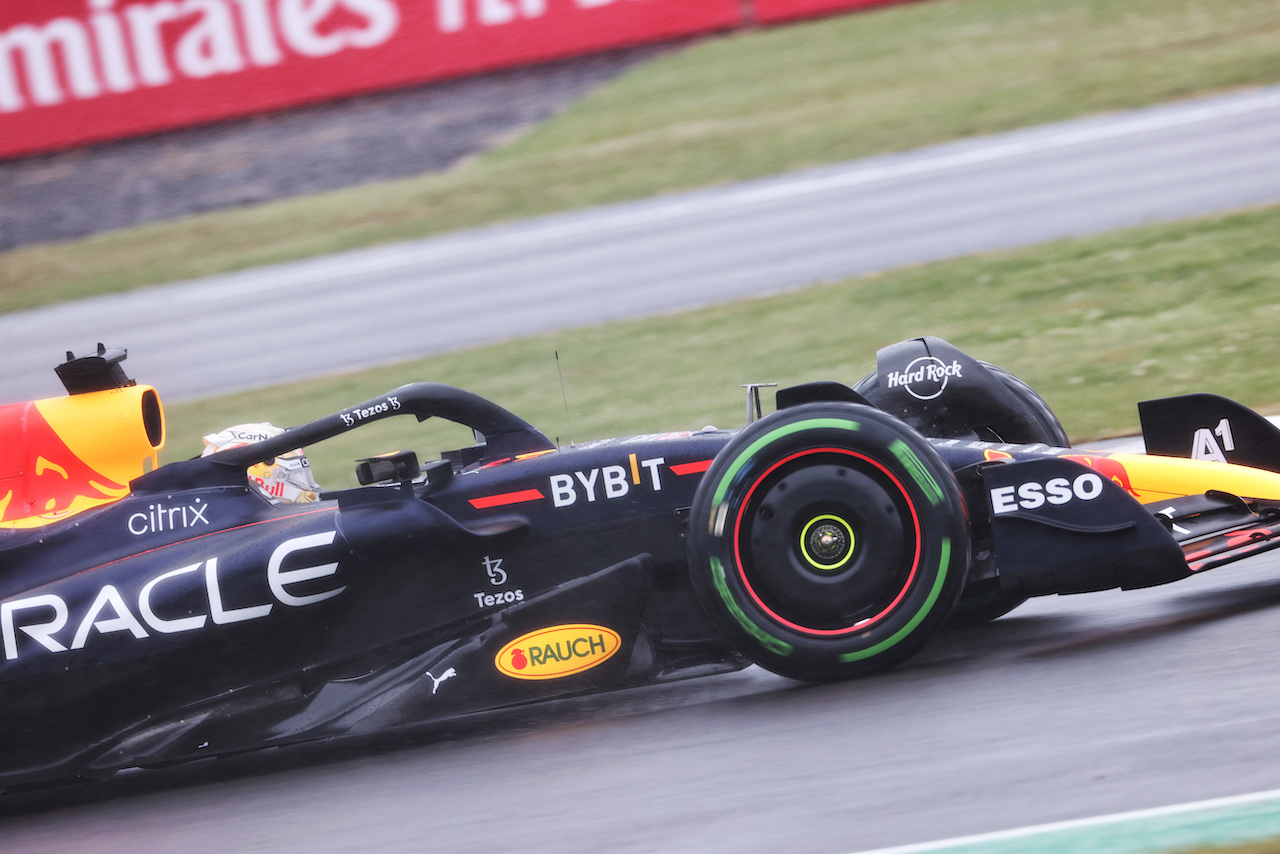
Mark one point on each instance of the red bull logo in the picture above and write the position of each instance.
(1108, 468)
(39, 474)
(66, 454)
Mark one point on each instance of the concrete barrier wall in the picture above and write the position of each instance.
(74, 72)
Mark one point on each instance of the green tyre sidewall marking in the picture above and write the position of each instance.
(918, 472)
(774, 645)
(915, 621)
(754, 448)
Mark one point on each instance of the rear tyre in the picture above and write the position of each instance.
(827, 541)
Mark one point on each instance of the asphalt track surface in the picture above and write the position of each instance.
(386, 304)
(1071, 707)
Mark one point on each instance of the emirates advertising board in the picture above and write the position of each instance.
(76, 71)
(79, 71)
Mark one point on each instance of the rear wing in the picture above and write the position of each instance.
(1209, 427)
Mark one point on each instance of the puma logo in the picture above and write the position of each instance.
(435, 686)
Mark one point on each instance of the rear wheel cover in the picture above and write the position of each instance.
(828, 540)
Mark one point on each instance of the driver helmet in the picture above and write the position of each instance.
(285, 480)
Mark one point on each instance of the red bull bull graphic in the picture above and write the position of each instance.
(51, 480)
(1108, 467)
(1151, 479)
(64, 455)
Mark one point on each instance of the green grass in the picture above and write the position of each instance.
(1268, 847)
(725, 109)
(1095, 324)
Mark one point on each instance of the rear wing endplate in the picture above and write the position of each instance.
(1209, 427)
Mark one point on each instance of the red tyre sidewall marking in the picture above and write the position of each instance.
(737, 545)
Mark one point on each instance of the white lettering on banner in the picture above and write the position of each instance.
(36, 47)
(451, 15)
(148, 41)
(209, 47)
(260, 34)
(130, 44)
(300, 22)
(112, 50)
(494, 12)
(382, 18)
(41, 617)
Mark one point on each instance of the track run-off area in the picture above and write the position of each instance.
(1027, 734)
(310, 318)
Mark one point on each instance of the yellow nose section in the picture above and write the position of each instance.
(1152, 479)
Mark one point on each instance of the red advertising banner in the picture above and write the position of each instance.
(776, 11)
(79, 71)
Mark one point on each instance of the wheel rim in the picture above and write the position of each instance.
(834, 546)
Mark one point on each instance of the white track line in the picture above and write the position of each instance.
(1001, 147)
(1076, 824)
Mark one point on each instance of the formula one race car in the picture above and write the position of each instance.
(151, 615)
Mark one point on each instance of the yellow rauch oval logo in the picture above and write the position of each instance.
(557, 652)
